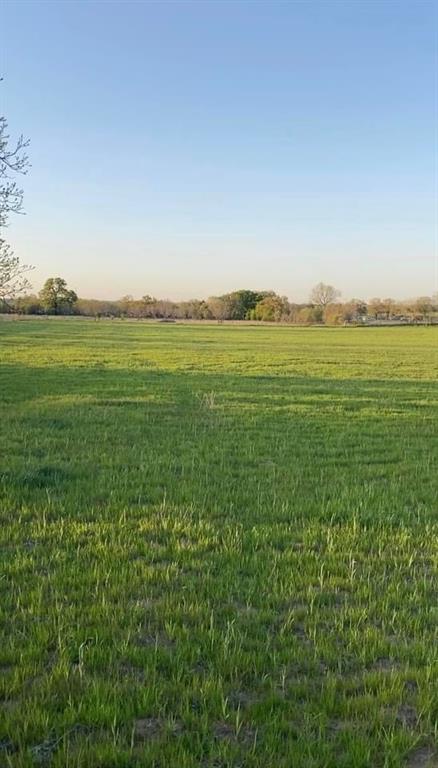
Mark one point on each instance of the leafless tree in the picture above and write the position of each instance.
(13, 280)
(13, 160)
(322, 295)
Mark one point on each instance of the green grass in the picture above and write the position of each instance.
(218, 546)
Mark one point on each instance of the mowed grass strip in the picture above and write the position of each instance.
(218, 546)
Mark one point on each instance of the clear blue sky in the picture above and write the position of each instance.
(189, 148)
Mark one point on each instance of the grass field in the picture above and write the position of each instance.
(218, 546)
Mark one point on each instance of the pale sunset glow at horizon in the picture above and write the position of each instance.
(187, 149)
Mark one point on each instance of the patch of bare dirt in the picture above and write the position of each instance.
(224, 731)
(146, 728)
(159, 640)
(300, 633)
(10, 705)
(242, 699)
(130, 670)
(245, 610)
(338, 726)
(422, 757)
(200, 667)
(7, 747)
(407, 716)
(78, 733)
(384, 664)
(411, 686)
(42, 753)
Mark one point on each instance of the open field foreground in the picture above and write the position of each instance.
(218, 546)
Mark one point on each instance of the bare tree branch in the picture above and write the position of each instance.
(13, 278)
(13, 160)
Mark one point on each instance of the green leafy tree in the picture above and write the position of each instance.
(56, 298)
(237, 305)
(271, 309)
(310, 315)
(243, 302)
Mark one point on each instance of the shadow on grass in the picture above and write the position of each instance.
(96, 436)
(21, 382)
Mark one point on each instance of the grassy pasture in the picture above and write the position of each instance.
(218, 546)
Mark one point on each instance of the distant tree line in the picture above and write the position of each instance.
(324, 307)
(56, 298)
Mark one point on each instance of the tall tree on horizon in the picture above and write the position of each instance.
(322, 295)
(56, 298)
